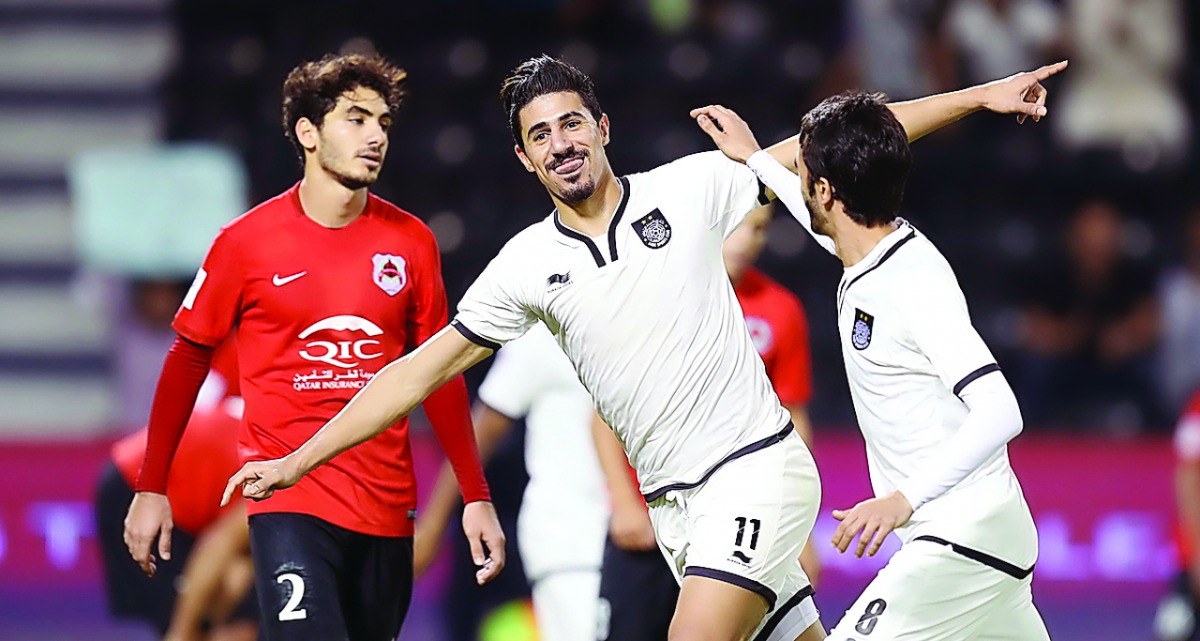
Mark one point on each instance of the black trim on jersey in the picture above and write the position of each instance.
(571, 233)
(982, 557)
(805, 593)
(616, 219)
(192, 342)
(597, 255)
(763, 201)
(473, 337)
(749, 449)
(734, 579)
(970, 378)
(886, 255)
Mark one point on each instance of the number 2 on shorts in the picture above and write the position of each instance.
(289, 611)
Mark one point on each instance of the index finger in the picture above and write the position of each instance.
(1050, 70)
(234, 483)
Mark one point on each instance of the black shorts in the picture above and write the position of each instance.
(316, 580)
(132, 594)
(638, 593)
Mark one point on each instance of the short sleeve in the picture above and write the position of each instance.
(728, 188)
(212, 305)
(492, 311)
(935, 314)
(791, 369)
(515, 378)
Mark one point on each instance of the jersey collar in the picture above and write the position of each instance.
(587, 241)
(883, 250)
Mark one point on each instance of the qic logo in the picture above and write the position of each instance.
(343, 353)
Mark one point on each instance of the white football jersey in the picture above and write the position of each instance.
(564, 513)
(647, 316)
(910, 350)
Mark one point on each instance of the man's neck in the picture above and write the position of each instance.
(592, 216)
(328, 202)
(853, 241)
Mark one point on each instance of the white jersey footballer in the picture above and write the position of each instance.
(564, 511)
(921, 377)
(649, 319)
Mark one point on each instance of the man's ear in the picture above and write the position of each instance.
(604, 128)
(825, 193)
(523, 158)
(307, 134)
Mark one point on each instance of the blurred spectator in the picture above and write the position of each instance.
(997, 38)
(206, 598)
(1122, 94)
(897, 48)
(1177, 613)
(1090, 327)
(144, 335)
(1180, 295)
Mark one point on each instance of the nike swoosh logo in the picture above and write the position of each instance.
(280, 282)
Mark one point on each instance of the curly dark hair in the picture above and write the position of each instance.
(313, 88)
(537, 77)
(855, 142)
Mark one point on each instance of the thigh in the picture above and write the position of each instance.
(748, 526)
(926, 592)
(297, 565)
(564, 604)
(1016, 619)
(638, 593)
(377, 589)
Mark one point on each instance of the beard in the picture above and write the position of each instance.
(819, 219)
(353, 180)
(579, 188)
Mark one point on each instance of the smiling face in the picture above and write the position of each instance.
(564, 145)
(351, 143)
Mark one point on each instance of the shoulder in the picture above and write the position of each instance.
(692, 166)
(394, 216)
(781, 298)
(525, 250)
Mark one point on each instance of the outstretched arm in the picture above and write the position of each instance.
(394, 392)
(1022, 94)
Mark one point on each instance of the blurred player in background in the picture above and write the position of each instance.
(176, 600)
(935, 410)
(560, 528)
(638, 591)
(627, 274)
(1179, 611)
(323, 285)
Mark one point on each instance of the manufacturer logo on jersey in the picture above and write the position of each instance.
(860, 333)
(760, 334)
(558, 281)
(653, 229)
(281, 281)
(389, 273)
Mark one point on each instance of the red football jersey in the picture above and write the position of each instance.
(1187, 450)
(779, 329)
(317, 313)
(206, 458)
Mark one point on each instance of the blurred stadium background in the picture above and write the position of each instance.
(132, 129)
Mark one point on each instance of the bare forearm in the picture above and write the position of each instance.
(1187, 495)
(206, 567)
(614, 464)
(926, 115)
(390, 396)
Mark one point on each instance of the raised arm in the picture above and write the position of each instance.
(1022, 94)
(394, 392)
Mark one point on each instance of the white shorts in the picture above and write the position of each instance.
(746, 525)
(565, 605)
(930, 592)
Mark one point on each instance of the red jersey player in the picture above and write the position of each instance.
(323, 286)
(637, 590)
